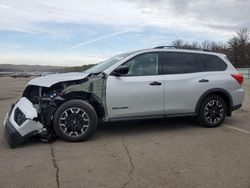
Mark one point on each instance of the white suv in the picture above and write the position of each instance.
(152, 83)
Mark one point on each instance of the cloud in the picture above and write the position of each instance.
(24, 16)
(5, 7)
(98, 39)
(48, 26)
(9, 45)
(221, 16)
(181, 14)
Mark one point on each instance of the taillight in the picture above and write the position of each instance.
(238, 77)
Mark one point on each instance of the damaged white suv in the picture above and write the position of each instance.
(151, 83)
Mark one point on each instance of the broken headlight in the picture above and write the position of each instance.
(52, 94)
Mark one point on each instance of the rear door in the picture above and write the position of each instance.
(184, 82)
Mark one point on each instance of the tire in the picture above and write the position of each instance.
(75, 121)
(212, 111)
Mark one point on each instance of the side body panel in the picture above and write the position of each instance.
(183, 91)
(234, 88)
(134, 96)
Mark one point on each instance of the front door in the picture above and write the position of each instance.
(138, 93)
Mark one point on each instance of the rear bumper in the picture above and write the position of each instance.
(237, 98)
(236, 107)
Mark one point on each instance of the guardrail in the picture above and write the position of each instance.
(245, 72)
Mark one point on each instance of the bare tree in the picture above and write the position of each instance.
(238, 50)
(195, 44)
(178, 43)
(206, 44)
(243, 36)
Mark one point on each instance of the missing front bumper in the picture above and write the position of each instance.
(16, 133)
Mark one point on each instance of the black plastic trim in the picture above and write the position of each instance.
(236, 107)
(153, 117)
(12, 136)
(181, 115)
(136, 118)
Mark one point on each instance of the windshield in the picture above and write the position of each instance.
(107, 63)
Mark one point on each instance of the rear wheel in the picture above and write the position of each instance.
(75, 120)
(212, 111)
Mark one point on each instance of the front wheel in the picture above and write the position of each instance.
(75, 121)
(212, 111)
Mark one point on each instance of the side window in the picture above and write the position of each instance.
(211, 62)
(179, 63)
(143, 65)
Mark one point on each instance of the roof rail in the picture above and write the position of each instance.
(184, 48)
(161, 47)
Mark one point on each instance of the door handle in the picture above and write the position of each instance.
(155, 83)
(203, 80)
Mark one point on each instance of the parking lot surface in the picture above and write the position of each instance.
(151, 153)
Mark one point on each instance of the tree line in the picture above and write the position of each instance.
(77, 68)
(237, 48)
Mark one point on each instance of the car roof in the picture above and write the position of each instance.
(172, 49)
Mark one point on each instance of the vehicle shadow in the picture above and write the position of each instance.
(130, 128)
(144, 127)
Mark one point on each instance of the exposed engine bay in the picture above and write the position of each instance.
(33, 114)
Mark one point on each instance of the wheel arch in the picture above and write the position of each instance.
(219, 92)
(91, 98)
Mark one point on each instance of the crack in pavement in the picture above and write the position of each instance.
(131, 164)
(127, 182)
(53, 158)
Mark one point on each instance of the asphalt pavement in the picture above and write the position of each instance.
(151, 153)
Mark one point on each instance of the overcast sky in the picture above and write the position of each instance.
(76, 32)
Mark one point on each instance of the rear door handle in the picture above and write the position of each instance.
(155, 83)
(203, 80)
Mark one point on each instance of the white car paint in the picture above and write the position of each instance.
(179, 93)
(134, 96)
(183, 91)
(30, 112)
(49, 80)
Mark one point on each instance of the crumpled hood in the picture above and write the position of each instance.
(49, 80)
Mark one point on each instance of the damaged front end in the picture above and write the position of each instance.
(21, 122)
(32, 115)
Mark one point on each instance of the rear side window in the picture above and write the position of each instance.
(211, 62)
(179, 63)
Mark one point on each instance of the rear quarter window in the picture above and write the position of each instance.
(211, 62)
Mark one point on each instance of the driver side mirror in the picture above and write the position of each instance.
(121, 70)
